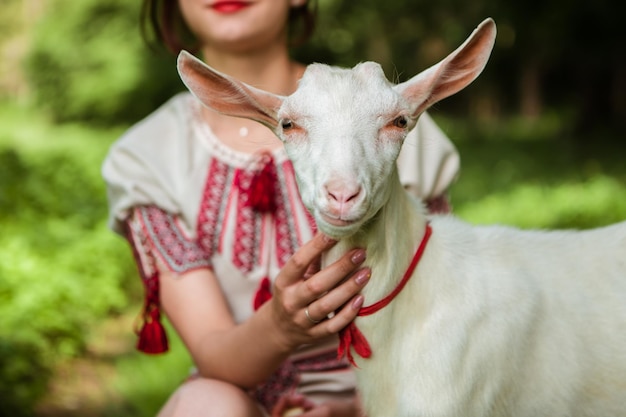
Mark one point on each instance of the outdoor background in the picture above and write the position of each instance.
(541, 136)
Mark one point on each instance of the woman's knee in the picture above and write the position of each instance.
(202, 397)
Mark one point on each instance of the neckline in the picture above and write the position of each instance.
(234, 157)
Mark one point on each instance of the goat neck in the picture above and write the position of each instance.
(390, 239)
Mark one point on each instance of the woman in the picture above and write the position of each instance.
(224, 246)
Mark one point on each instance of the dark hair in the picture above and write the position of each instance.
(162, 24)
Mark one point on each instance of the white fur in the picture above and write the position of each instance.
(495, 321)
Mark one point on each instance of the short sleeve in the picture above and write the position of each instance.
(157, 236)
(157, 162)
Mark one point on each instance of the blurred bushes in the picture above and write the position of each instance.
(598, 201)
(61, 269)
(23, 376)
(88, 62)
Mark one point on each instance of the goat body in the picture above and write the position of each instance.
(494, 321)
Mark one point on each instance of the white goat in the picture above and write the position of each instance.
(494, 321)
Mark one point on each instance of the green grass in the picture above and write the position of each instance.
(528, 175)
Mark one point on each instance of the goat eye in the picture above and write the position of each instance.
(400, 122)
(286, 124)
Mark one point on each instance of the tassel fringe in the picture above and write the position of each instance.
(152, 335)
(351, 336)
(262, 191)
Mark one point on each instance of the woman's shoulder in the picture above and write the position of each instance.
(160, 147)
(169, 120)
(150, 163)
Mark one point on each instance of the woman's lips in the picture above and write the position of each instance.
(229, 6)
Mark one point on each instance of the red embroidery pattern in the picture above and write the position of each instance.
(220, 206)
(286, 231)
(213, 202)
(287, 377)
(178, 252)
(247, 230)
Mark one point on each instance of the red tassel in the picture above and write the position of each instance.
(262, 191)
(351, 336)
(152, 336)
(263, 294)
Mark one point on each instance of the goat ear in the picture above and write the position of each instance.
(227, 95)
(454, 72)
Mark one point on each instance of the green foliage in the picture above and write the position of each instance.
(23, 376)
(8, 24)
(61, 269)
(598, 201)
(88, 62)
(524, 174)
(499, 155)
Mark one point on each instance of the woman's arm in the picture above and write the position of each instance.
(247, 353)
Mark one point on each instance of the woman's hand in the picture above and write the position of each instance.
(309, 304)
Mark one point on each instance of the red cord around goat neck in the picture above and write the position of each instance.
(351, 336)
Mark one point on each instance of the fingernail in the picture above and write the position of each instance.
(358, 256)
(358, 302)
(363, 276)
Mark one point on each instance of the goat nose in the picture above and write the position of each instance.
(343, 195)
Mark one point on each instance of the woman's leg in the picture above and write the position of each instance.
(201, 397)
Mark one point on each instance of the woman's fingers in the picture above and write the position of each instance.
(296, 267)
(330, 277)
(304, 296)
(332, 300)
(344, 316)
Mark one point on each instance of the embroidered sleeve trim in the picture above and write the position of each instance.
(166, 239)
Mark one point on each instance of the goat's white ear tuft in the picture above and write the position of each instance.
(454, 72)
(227, 95)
